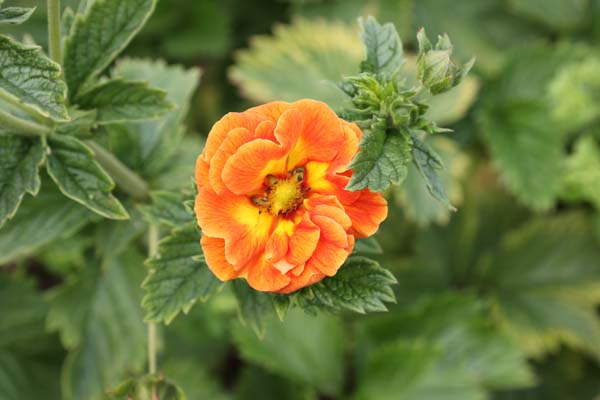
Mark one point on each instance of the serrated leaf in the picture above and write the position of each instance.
(544, 281)
(315, 358)
(383, 48)
(414, 196)
(581, 180)
(429, 163)
(80, 125)
(112, 336)
(573, 93)
(167, 209)
(99, 35)
(118, 100)
(20, 158)
(282, 305)
(361, 285)
(382, 161)
(32, 79)
(178, 276)
(72, 166)
(261, 71)
(459, 326)
(408, 370)
(15, 15)
(40, 220)
(526, 150)
(254, 307)
(156, 143)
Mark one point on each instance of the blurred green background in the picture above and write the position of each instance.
(498, 300)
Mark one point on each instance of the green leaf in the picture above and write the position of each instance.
(22, 323)
(581, 180)
(32, 79)
(557, 14)
(72, 166)
(15, 15)
(97, 37)
(256, 383)
(368, 245)
(20, 158)
(459, 326)
(414, 196)
(143, 387)
(305, 349)
(409, 371)
(262, 72)
(544, 281)
(80, 125)
(178, 276)
(361, 285)
(166, 209)
(40, 220)
(383, 48)
(155, 144)
(526, 149)
(382, 160)
(27, 378)
(428, 163)
(112, 337)
(573, 93)
(123, 101)
(254, 307)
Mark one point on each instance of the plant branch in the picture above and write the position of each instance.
(54, 30)
(153, 237)
(127, 180)
(22, 126)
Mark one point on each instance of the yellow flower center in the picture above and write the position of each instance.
(283, 195)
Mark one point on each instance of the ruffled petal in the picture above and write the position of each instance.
(367, 213)
(221, 129)
(321, 134)
(214, 254)
(235, 138)
(263, 276)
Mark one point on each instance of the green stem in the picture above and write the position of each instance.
(54, 30)
(22, 126)
(153, 237)
(127, 180)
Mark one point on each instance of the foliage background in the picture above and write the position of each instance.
(498, 300)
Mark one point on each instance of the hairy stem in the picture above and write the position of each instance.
(153, 237)
(54, 30)
(127, 180)
(22, 126)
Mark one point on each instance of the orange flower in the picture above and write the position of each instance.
(271, 200)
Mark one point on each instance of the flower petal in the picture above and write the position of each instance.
(235, 138)
(333, 248)
(214, 254)
(367, 213)
(321, 134)
(236, 220)
(221, 128)
(262, 276)
(246, 170)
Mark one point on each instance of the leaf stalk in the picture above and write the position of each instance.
(54, 45)
(127, 180)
